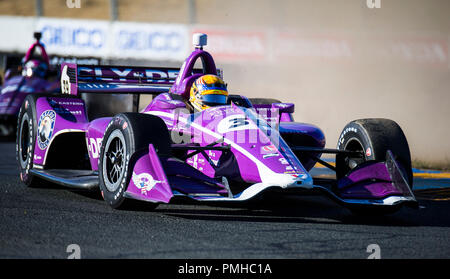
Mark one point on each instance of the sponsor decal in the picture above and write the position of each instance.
(368, 152)
(46, 126)
(94, 145)
(283, 105)
(265, 156)
(124, 125)
(235, 123)
(144, 182)
(283, 161)
(348, 129)
(65, 81)
(268, 149)
(300, 175)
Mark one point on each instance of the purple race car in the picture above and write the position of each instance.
(33, 75)
(229, 153)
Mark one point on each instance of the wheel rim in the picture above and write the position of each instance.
(24, 141)
(114, 161)
(354, 145)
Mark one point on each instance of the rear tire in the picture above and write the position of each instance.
(374, 137)
(126, 134)
(25, 140)
(26, 134)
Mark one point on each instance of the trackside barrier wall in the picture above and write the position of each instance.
(172, 42)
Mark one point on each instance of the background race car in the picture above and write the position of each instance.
(32, 75)
(36, 72)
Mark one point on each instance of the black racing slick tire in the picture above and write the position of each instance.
(126, 134)
(373, 137)
(26, 132)
(25, 140)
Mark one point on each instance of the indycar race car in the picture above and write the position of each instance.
(230, 153)
(33, 75)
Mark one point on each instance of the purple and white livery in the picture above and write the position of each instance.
(227, 153)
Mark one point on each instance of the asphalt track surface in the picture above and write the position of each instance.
(42, 222)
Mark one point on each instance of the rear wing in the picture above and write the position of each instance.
(77, 79)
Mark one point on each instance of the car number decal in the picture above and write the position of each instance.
(235, 123)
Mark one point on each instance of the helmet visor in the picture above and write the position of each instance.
(214, 86)
(214, 99)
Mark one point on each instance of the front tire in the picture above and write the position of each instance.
(126, 134)
(374, 137)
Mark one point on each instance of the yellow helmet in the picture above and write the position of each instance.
(208, 91)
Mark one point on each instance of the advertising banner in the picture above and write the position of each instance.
(315, 46)
(75, 37)
(97, 38)
(172, 42)
(235, 45)
(149, 41)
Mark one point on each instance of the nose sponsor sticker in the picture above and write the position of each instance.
(144, 182)
(46, 126)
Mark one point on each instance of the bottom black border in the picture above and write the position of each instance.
(221, 268)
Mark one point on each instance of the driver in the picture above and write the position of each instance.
(35, 68)
(208, 91)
